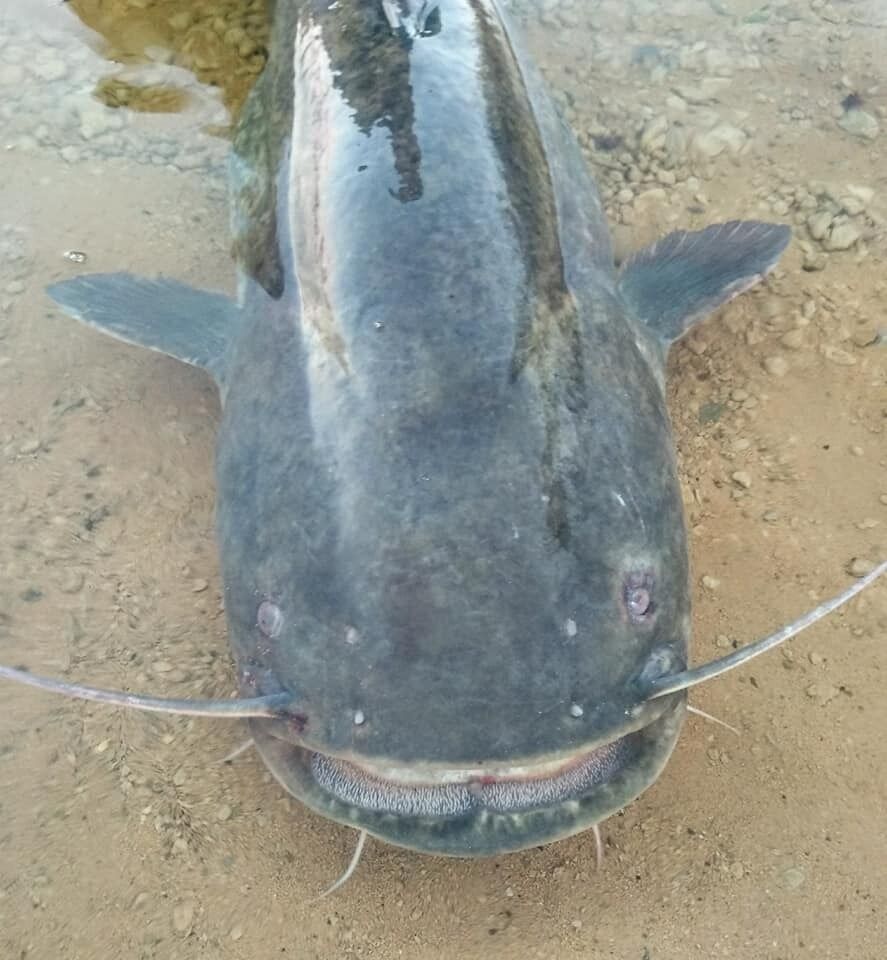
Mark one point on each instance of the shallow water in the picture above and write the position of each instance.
(120, 834)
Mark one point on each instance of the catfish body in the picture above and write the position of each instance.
(448, 510)
(468, 449)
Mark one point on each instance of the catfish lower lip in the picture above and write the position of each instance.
(362, 787)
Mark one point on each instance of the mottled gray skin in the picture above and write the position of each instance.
(448, 511)
(445, 450)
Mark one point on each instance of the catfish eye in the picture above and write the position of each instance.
(637, 595)
(269, 619)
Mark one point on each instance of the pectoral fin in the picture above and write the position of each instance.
(683, 277)
(192, 325)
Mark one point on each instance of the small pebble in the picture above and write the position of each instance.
(741, 478)
(822, 692)
(183, 917)
(102, 747)
(814, 658)
(710, 583)
(776, 365)
(161, 666)
(852, 206)
(223, 813)
(793, 340)
(818, 224)
(859, 123)
(179, 777)
(793, 878)
(697, 344)
(837, 355)
(236, 932)
(868, 337)
(814, 261)
(770, 516)
(723, 641)
(860, 566)
(842, 237)
(29, 447)
(712, 143)
(857, 451)
(199, 586)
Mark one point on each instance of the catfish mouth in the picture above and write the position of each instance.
(483, 810)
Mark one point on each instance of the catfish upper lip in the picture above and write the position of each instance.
(417, 769)
(418, 776)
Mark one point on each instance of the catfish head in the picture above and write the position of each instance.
(466, 586)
